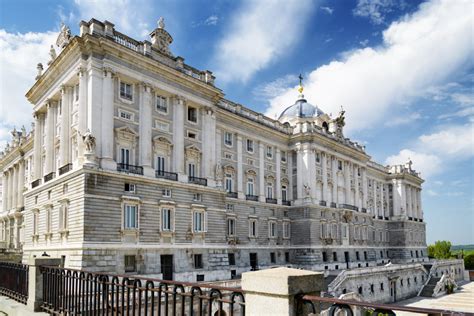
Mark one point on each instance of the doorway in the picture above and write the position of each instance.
(346, 258)
(253, 261)
(167, 266)
(393, 291)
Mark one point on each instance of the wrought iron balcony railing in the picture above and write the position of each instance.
(285, 202)
(250, 197)
(49, 176)
(233, 195)
(333, 205)
(197, 180)
(166, 175)
(364, 210)
(122, 167)
(271, 200)
(349, 207)
(322, 203)
(64, 169)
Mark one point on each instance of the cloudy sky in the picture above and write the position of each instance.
(403, 70)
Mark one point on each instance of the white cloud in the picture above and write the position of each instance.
(212, 20)
(274, 88)
(364, 42)
(421, 50)
(376, 10)
(259, 33)
(432, 193)
(403, 120)
(425, 163)
(328, 10)
(19, 55)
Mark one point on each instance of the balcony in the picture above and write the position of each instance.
(333, 205)
(196, 180)
(122, 167)
(285, 202)
(271, 200)
(35, 183)
(386, 218)
(364, 210)
(380, 217)
(322, 203)
(233, 195)
(250, 197)
(65, 169)
(49, 176)
(410, 218)
(166, 175)
(349, 207)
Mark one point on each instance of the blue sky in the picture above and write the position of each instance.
(403, 70)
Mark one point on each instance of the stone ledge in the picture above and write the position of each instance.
(13, 308)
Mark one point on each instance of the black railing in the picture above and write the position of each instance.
(233, 195)
(386, 218)
(364, 210)
(349, 207)
(271, 200)
(322, 203)
(75, 292)
(285, 202)
(64, 169)
(251, 197)
(166, 175)
(410, 218)
(14, 281)
(315, 305)
(380, 217)
(35, 183)
(122, 167)
(49, 176)
(197, 180)
(421, 220)
(333, 205)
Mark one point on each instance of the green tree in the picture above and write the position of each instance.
(469, 261)
(431, 251)
(440, 250)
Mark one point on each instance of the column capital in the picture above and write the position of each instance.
(81, 71)
(180, 99)
(64, 88)
(108, 72)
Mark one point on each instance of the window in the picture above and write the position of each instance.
(160, 163)
(191, 170)
(126, 115)
(166, 222)
(229, 207)
(272, 257)
(198, 221)
(283, 156)
(269, 152)
(65, 188)
(129, 187)
(284, 191)
(250, 162)
(253, 228)
(166, 192)
(339, 165)
(63, 216)
(272, 229)
(371, 288)
(287, 257)
(162, 126)
(270, 190)
(130, 219)
(381, 286)
(325, 257)
(231, 227)
(197, 197)
(35, 222)
(228, 139)
(318, 158)
(192, 135)
(197, 261)
(365, 255)
(199, 277)
(249, 186)
(286, 229)
(49, 195)
(126, 91)
(231, 257)
(48, 220)
(125, 156)
(192, 114)
(250, 145)
(161, 104)
(130, 263)
(334, 256)
(357, 255)
(228, 182)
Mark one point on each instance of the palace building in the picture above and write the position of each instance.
(137, 163)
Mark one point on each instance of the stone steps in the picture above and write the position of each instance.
(429, 288)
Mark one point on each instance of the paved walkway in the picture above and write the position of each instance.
(460, 301)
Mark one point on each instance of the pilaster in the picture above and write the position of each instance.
(240, 171)
(94, 107)
(364, 188)
(324, 176)
(347, 182)
(38, 146)
(14, 192)
(335, 198)
(65, 139)
(21, 183)
(208, 143)
(356, 187)
(178, 136)
(107, 161)
(145, 126)
(49, 140)
(278, 175)
(82, 113)
(5, 192)
(261, 172)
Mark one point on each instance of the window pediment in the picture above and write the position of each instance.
(126, 132)
(251, 172)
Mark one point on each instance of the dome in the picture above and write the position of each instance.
(301, 109)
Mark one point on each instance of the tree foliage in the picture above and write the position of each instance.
(440, 250)
(469, 261)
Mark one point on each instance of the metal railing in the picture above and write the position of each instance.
(271, 200)
(166, 175)
(349, 207)
(197, 180)
(286, 202)
(122, 167)
(49, 176)
(14, 281)
(250, 197)
(233, 195)
(333, 205)
(315, 304)
(76, 292)
(64, 169)
(322, 203)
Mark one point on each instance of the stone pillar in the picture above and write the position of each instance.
(5, 192)
(278, 175)
(364, 188)
(240, 171)
(38, 144)
(10, 189)
(274, 291)
(311, 171)
(299, 174)
(420, 205)
(82, 113)
(289, 165)
(21, 183)
(261, 172)
(374, 188)
(324, 170)
(356, 187)
(208, 144)
(107, 160)
(382, 211)
(347, 181)
(145, 125)
(13, 192)
(49, 140)
(178, 136)
(403, 210)
(414, 202)
(396, 198)
(64, 137)
(334, 181)
(94, 107)
(409, 204)
(35, 281)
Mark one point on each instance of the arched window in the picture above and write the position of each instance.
(325, 127)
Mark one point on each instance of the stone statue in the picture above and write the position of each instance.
(219, 172)
(340, 122)
(161, 22)
(63, 37)
(52, 55)
(409, 164)
(39, 68)
(307, 190)
(23, 131)
(89, 141)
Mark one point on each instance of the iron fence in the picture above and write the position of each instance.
(14, 281)
(75, 292)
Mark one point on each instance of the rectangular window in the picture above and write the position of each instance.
(269, 152)
(357, 256)
(126, 91)
(192, 135)
(228, 183)
(334, 256)
(197, 197)
(283, 156)
(197, 261)
(129, 187)
(192, 114)
(231, 257)
(130, 220)
(272, 230)
(284, 196)
(272, 257)
(270, 190)
(249, 186)
(287, 257)
(126, 115)
(162, 126)
(228, 138)
(325, 257)
(365, 255)
(253, 228)
(198, 221)
(318, 158)
(125, 156)
(63, 216)
(130, 263)
(229, 207)
(166, 223)
(161, 104)
(250, 145)
(339, 165)
(160, 163)
(191, 170)
(231, 227)
(286, 230)
(166, 192)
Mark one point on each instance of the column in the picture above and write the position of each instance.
(261, 172)
(420, 205)
(382, 211)
(289, 165)
(408, 202)
(64, 137)
(374, 188)
(324, 170)
(5, 191)
(49, 140)
(107, 160)
(334, 181)
(311, 168)
(178, 136)
(21, 182)
(356, 187)
(145, 125)
(347, 181)
(403, 200)
(278, 176)
(38, 140)
(364, 188)
(299, 174)
(13, 192)
(82, 112)
(10, 189)
(240, 170)
(94, 107)
(208, 143)
(415, 203)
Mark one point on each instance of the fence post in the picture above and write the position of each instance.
(274, 291)
(35, 281)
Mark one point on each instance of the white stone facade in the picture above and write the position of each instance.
(136, 156)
